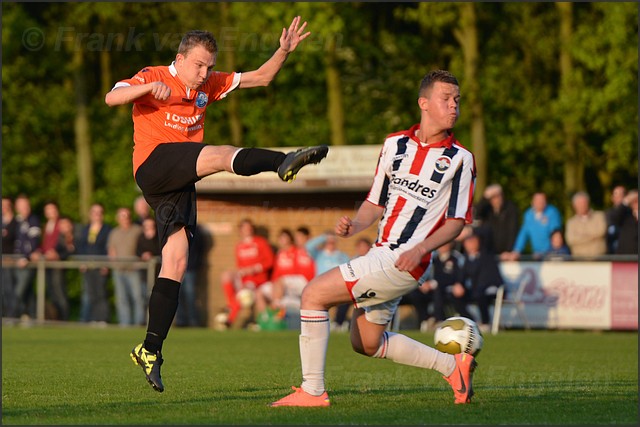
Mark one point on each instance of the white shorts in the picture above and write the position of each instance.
(376, 285)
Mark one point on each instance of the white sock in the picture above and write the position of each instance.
(314, 339)
(404, 350)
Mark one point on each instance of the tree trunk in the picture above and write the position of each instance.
(228, 62)
(467, 36)
(573, 165)
(82, 136)
(335, 106)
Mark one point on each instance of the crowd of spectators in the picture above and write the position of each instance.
(27, 238)
(268, 279)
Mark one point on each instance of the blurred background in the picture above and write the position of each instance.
(550, 90)
(549, 97)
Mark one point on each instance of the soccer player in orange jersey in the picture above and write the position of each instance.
(169, 104)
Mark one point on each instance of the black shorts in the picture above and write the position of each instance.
(167, 179)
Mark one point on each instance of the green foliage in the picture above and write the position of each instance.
(75, 375)
(383, 50)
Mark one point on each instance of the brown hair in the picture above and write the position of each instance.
(194, 38)
(435, 76)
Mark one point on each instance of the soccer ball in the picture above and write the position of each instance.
(246, 297)
(458, 335)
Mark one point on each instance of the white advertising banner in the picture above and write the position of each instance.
(572, 295)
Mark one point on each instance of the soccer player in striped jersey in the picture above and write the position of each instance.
(169, 157)
(422, 195)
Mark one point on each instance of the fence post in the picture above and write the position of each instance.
(40, 291)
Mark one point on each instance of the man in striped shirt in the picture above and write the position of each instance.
(422, 194)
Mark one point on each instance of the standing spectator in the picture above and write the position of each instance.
(613, 233)
(482, 276)
(53, 248)
(129, 294)
(500, 216)
(626, 220)
(187, 313)
(586, 232)
(27, 241)
(254, 261)
(537, 224)
(92, 242)
(147, 248)
(448, 282)
(141, 209)
(9, 232)
(559, 250)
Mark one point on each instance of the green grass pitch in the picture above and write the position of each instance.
(81, 375)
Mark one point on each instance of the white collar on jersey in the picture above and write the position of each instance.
(174, 73)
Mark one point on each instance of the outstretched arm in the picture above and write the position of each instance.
(125, 94)
(289, 40)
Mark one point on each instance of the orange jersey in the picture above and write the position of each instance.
(180, 118)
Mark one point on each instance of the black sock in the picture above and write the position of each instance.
(163, 304)
(252, 161)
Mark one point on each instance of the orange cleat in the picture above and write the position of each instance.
(301, 398)
(461, 378)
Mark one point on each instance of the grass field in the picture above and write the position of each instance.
(80, 375)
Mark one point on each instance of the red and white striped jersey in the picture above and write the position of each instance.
(420, 187)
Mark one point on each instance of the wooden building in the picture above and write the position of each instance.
(316, 199)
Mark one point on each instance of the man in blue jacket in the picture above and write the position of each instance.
(539, 221)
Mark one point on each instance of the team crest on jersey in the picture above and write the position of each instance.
(201, 100)
(442, 164)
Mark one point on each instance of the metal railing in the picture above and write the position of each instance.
(79, 262)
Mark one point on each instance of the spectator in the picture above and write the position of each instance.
(626, 220)
(130, 293)
(147, 248)
(447, 283)
(559, 250)
(301, 236)
(9, 233)
(324, 251)
(292, 270)
(537, 224)
(92, 242)
(187, 313)
(362, 246)
(27, 241)
(586, 232)
(141, 209)
(482, 276)
(254, 261)
(613, 233)
(54, 248)
(500, 216)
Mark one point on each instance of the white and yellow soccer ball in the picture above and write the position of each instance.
(458, 335)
